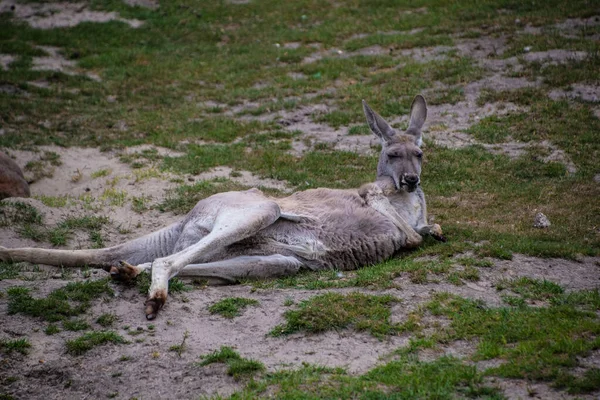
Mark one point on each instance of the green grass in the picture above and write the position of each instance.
(231, 307)
(405, 378)
(532, 289)
(107, 319)
(71, 300)
(90, 340)
(334, 311)
(9, 270)
(60, 235)
(29, 223)
(75, 325)
(16, 212)
(51, 329)
(195, 78)
(19, 345)
(535, 343)
(237, 366)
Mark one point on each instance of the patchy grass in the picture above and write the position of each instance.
(399, 41)
(231, 307)
(196, 84)
(237, 366)
(332, 311)
(54, 201)
(405, 378)
(548, 41)
(16, 212)
(71, 300)
(30, 224)
(532, 289)
(90, 340)
(180, 348)
(19, 345)
(107, 319)
(446, 96)
(51, 329)
(75, 325)
(9, 270)
(60, 235)
(101, 173)
(536, 343)
(573, 71)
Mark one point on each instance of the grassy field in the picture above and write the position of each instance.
(272, 90)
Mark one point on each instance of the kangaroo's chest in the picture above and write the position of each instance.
(409, 206)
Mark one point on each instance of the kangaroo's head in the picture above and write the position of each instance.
(401, 157)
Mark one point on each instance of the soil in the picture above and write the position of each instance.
(152, 371)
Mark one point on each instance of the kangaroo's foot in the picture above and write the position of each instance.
(125, 272)
(435, 231)
(154, 303)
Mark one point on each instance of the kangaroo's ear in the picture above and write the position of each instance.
(418, 115)
(377, 124)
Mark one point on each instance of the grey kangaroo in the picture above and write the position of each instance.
(249, 235)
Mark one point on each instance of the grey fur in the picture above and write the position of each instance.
(239, 235)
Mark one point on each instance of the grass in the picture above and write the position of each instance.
(195, 80)
(333, 311)
(71, 300)
(532, 289)
(75, 325)
(231, 307)
(19, 345)
(180, 348)
(237, 366)
(90, 340)
(107, 319)
(30, 223)
(535, 343)
(51, 329)
(9, 270)
(405, 378)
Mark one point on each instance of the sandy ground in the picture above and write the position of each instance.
(152, 371)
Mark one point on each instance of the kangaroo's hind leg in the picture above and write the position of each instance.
(229, 218)
(245, 267)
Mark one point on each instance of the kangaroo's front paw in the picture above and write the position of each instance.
(436, 233)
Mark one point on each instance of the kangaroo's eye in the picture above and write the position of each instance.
(419, 155)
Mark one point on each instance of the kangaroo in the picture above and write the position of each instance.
(249, 235)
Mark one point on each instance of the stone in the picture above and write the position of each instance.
(541, 221)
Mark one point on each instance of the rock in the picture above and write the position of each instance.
(541, 221)
(12, 181)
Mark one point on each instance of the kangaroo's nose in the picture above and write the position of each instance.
(411, 179)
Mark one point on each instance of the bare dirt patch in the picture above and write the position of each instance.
(589, 93)
(5, 60)
(151, 4)
(81, 180)
(60, 15)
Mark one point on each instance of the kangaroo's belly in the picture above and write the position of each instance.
(335, 230)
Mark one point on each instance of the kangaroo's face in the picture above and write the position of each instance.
(401, 156)
(402, 162)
